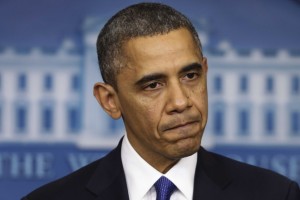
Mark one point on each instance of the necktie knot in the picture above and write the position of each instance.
(164, 188)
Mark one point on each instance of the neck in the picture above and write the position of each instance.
(162, 165)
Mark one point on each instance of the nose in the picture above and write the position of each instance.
(178, 98)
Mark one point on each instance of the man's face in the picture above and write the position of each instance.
(162, 96)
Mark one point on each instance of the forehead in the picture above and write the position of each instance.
(174, 49)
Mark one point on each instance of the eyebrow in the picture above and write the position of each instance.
(190, 67)
(150, 77)
(157, 76)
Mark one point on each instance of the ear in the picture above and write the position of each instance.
(205, 65)
(108, 99)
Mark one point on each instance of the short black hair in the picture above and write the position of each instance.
(138, 20)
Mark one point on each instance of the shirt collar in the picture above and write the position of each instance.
(182, 175)
(137, 169)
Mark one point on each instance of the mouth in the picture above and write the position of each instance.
(181, 125)
(182, 131)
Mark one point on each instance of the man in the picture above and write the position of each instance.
(155, 74)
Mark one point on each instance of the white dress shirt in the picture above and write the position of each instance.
(140, 176)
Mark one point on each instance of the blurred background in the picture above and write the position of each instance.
(51, 125)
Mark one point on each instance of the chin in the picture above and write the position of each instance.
(186, 147)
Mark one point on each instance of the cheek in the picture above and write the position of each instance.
(204, 101)
(150, 110)
(200, 99)
(200, 89)
(141, 111)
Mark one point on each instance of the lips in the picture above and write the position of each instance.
(181, 131)
(182, 125)
(177, 124)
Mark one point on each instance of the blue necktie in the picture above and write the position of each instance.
(164, 188)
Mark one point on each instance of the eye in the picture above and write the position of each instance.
(191, 76)
(153, 86)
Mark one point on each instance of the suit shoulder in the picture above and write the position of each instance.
(71, 184)
(242, 169)
(262, 181)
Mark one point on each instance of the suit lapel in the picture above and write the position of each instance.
(108, 180)
(211, 177)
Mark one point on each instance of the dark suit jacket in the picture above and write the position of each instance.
(216, 178)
